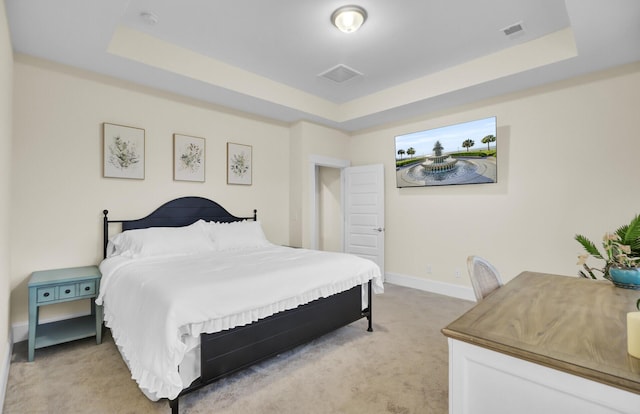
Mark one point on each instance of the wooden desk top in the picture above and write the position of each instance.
(570, 324)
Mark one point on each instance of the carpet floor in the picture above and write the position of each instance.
(400, 368)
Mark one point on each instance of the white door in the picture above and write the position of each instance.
(364, 212)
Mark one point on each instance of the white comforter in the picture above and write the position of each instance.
(157, 307)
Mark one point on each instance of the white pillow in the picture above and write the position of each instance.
(237, 235)
(159, 241)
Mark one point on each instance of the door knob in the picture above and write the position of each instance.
(379, 229)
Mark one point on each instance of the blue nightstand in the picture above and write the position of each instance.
(47, 287)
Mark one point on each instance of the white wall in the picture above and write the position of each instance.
(567, 164)
(58, 189)
(6, 97)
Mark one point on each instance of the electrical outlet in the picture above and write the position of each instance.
(457, 273)
(429, 269)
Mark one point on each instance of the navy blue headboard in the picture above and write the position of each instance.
(176, 213)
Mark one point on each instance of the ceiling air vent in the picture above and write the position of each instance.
(514, 29)
(340, 73)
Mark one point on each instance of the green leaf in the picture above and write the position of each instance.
(622, 232)
(588, 246)
(632, 236)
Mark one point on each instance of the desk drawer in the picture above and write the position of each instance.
(87, 288)
(46, 294)
(67, 291)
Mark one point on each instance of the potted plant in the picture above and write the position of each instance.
(622, 255)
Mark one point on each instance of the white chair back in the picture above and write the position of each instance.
(484, 276)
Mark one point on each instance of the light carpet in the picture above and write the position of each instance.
(400, 368)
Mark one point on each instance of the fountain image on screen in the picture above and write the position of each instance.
(464, 153)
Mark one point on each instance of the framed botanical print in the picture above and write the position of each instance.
(239, 160)
(188, 158)
(123, 152)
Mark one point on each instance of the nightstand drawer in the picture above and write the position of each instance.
(87, 288)
(67, 291)
(46, 294)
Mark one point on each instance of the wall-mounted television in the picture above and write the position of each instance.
(464, 153)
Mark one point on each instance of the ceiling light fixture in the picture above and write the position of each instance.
(349, 18)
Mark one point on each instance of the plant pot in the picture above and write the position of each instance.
(625, 277)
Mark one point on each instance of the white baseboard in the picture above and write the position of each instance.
(441, 288)
(20, 331)
(6, 365)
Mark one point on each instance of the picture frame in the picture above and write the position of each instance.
(463, 153)
(188, 158)
(239, 164)
(123, 151)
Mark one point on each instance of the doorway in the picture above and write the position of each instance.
(347, 208)
(327, 167)
(330, 218)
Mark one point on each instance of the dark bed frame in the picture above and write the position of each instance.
(224, 353)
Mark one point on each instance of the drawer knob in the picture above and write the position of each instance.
(46, 294)
(87, 288)
(67, 291)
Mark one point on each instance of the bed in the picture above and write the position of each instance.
(193, 293)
